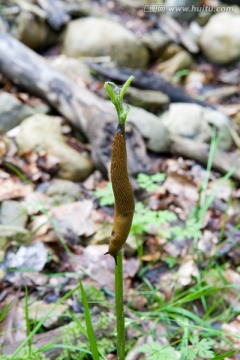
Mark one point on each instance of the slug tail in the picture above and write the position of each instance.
(121, 129)
(114, 256)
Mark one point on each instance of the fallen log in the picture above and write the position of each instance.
(52, 339)
(222, 162)
(94, 116)
(144, 79)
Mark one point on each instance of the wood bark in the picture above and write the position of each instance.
(55, 336)
(147, 80)
(222, 162)
(57, 16)
(96, 118)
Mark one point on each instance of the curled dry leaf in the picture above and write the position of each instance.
(186, 272)
(13, 189)
(76, 217)
(232, 331)
(103, 274)
(32, 257)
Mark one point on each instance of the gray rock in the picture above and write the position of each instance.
(35, 33)
(73, 68)
(102, 234)
(39, 309)
(179, 13)
(63, 191)
(155, 41)
(12, 111)
(133, 3)
(103, 37)
(43, 132)
(147, 99)
(220, 40)
(180, 61)
(13, 213)
(10, 235)
(194, 121)
(32, 257)
(151, 128)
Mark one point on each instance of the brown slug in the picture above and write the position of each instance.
(123, 194)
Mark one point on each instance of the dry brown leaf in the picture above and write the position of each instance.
(76, 217)
(151, 257)
(207, 243)
(101, 267)
(180, 185)
(13, 326)
(13, 189)
(232, 331)
(186, 272)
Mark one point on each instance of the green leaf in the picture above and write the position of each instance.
(204, 347)
(149, 182)
(116, 95)
(91, 335)
(5, 311)
(105, 195)
(158, 352)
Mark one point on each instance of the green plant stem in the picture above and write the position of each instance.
(119, 307)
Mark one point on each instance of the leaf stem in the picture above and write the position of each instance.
(119, 307)
(116, 95)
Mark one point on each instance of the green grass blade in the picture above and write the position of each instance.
(120, 307)
(40, 323)
(225, 355)
(81, 328)
(5, 311)
(91, 335)
(27, 321)
(62, 346)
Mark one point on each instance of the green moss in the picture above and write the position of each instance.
(104, 321)
(70, 353)
(94, 295)
(106, 345)
(24, 355)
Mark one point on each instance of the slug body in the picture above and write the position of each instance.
(123, 193)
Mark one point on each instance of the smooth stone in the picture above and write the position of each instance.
(94, 36)
(43, 132)
(151, 128)
(10, 234)
(12, 111)
(13, 213)
(220, 39)
(147, 99)
(195, 122)
(155, 41)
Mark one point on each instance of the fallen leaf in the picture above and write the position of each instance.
(186, 272)
(13, 325)
(232, 331)
(75, 216)
(13, 189)
(32, 257)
